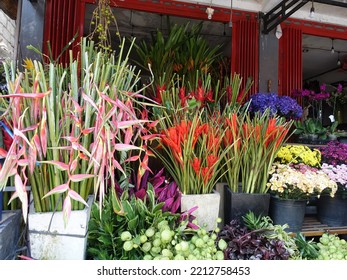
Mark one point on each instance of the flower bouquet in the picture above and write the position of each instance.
(291, 185)
(283, 106)
(299, 154)
(192, 154)
(255, 141)
(334, 153)
(337, 173)
(299, 181)
(333, 211)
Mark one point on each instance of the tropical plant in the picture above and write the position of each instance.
(192, 154)
(73, 130)
(144, 231)
(106, 232)
(183, 51)
(255, 141)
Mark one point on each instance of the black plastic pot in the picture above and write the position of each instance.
(237, 205)
(332, 211)
(288, 211)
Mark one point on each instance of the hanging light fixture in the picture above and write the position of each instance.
(312, 11)
(332, 50)
(278, 32)
(338, 59)
(231, 14)
(209, 11)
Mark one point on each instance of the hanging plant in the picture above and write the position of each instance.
(102, 22)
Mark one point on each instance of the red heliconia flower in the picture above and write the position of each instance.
(171, 139)
(241, 96)
(257, 131)
(200, 95)
(183, 97)
(183, 131)
(213, 142)
(229, 94)
(209, 96)
(232, 129)
(196, 164)
(271, 132)
(212, 160)
(282, 132)
(206, 173)
(159, 92)
(246, 130)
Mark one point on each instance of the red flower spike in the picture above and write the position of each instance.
(196, 165)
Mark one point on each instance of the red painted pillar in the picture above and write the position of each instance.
(62, 23)
(245, 50)
(290, 61)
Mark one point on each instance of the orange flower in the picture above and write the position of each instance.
(196, 165)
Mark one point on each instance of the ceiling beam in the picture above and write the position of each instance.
(332, 3)
(280, 12)
(9, 7)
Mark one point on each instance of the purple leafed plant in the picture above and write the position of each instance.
(244, 244)
(165, 191)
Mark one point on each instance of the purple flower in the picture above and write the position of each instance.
(284, 106)
(338, 174)
(339, 88)
(323, 87)
(334, 153)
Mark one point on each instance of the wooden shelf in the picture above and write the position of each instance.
(312, 227)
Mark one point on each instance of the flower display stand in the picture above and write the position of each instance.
(208, 208)
(10, 226)
(50, 240)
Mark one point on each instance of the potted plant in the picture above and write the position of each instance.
(283, 106)
(333, 210)
(291, 185)
(310, 130)
(255, 140)
(192, 154)
(73, 133)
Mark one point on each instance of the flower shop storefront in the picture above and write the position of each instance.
(156, 169)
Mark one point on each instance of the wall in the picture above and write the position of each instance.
(268, 62)
(7, 36)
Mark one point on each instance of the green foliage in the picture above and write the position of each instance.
(308, 248)
(183, 51)
(310, 126)
(105, 230)
(265, 225)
